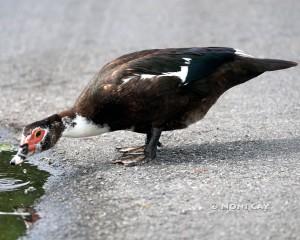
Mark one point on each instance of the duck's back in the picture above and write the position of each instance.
(170, 87)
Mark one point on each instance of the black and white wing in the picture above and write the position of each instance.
(187, 67)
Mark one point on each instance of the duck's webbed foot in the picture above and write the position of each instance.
(133, 156)
(130, 160)
(131, 150)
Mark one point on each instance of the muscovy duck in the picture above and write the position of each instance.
(148, 92)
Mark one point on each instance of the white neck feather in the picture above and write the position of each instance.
(82, 127)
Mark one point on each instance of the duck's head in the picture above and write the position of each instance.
(38, 136)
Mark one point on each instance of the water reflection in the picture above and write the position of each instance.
(20, 186)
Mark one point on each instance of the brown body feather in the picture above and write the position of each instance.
(164, 101)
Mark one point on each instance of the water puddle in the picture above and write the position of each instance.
(20, 186)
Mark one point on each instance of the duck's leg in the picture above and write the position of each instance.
(138, 149)
(151, 147)
(132, 158)
(148, 138)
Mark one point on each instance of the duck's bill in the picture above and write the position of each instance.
(20, 156)
(17, 160)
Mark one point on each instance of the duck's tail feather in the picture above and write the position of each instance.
(263, 64)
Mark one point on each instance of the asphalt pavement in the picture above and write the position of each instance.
(233, 175)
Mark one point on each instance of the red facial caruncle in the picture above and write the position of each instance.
(33, 139)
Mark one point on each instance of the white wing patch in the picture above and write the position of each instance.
(187, 60)
(146, 76)
(182, 74)
(241, 53)
(82, 127)
(125, 80)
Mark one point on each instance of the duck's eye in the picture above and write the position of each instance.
(38, 133)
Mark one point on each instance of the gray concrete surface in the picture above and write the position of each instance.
(244, 154)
